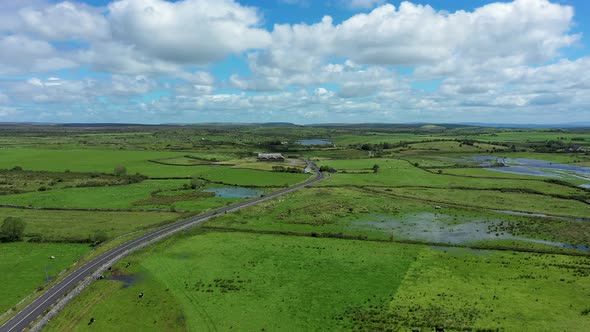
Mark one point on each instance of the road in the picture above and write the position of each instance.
(29, 314)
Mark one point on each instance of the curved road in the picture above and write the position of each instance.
(40, 305)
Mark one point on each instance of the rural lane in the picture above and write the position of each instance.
(29, 314)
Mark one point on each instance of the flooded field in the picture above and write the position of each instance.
(315, 141)
(127, 279)
(533, 167)
(234, 192)
(445, 229)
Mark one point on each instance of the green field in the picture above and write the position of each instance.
(428, 239)
(26, 266)
(222, 281)
(78, 226)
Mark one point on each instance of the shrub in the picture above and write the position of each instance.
(120, 170)
(99, 237)
(12, 229)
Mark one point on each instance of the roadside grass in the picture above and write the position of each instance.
(79, 226)
(222, 281)
(25, 266)
(251, 282)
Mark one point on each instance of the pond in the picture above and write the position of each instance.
(127, 279)
(533, 167)
(314, 141)
(234, 192)
(443, 229)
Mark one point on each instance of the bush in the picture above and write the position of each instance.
(375, 168)
(196, 183)
(99, 237)
(12, 229)
(120, 170)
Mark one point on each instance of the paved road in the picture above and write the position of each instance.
(38, 307)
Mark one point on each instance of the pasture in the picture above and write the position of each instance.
(223, 281)
(385, 248)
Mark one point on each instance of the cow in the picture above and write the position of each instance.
(92, 320)
(140, 295)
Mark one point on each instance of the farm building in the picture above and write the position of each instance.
(270, 157)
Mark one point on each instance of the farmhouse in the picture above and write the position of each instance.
(270, 157)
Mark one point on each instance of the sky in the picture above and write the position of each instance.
(300, 61)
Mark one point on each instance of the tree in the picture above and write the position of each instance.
(12, 229)
(99, 237)
(375, 168)
(120, 170)
(196, 182)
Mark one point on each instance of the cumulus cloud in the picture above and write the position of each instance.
(64, 21)
(155, 57)
(29, 55)
(188, 31)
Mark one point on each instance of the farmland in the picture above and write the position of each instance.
(461, 227)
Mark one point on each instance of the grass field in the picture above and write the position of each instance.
(378, 215)
(371, 251)
(223, 281)
(400, 173)
(77, 226)
(138, 196)
(26, 266)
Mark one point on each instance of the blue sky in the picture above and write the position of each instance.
(303, 61)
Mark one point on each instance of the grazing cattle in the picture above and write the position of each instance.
(92, 320)
(439, 329)
(140, 295)
(126, 266)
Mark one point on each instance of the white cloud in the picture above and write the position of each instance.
(3, 98)
(64, 21)
(363, 4)
(188, 31)
(28, 55)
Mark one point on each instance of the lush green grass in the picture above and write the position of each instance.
(136, 162)
(461, 289)
(400, 173)
(138, 196)
(25, 266)
(497, 200)
(337, 211)
(80, 225)
(115, 197)
(78, 160)
(222, 281)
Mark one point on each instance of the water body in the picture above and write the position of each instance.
(437, 228)
(315, 141)
(234, 192)
(127, 279)
(533, 167)
(539, 215)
